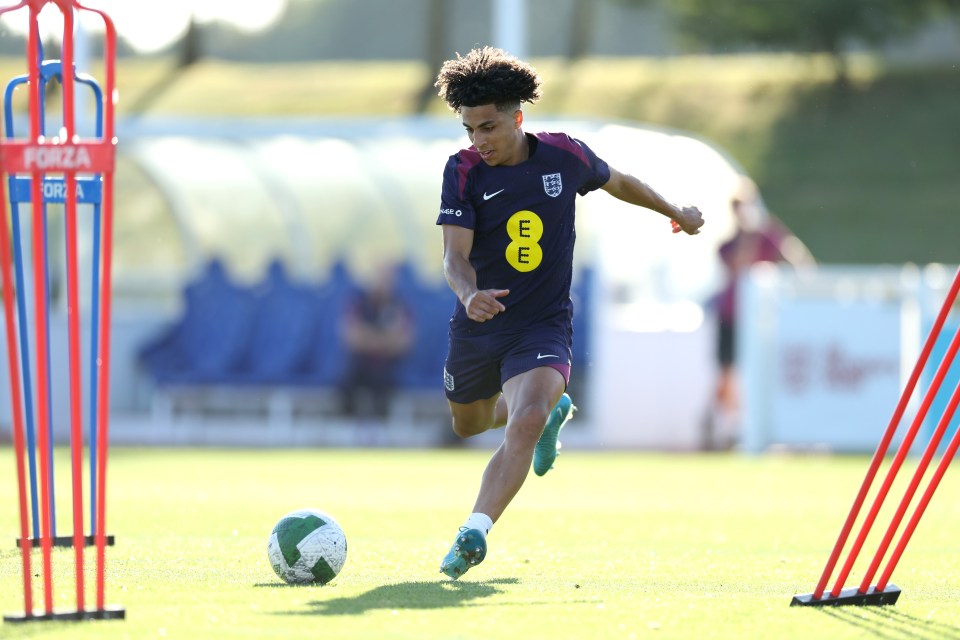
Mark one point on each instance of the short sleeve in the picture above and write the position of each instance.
(455, 205)
(596, 173)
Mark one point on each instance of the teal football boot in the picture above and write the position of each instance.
(548, 448)
(469, 549)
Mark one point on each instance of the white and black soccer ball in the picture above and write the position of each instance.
(307, 546)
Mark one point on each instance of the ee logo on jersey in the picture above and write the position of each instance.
(525, 229)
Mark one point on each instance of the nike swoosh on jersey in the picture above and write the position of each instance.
(487, 197)
(549, 355)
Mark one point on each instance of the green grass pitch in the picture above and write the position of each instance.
(607, 545)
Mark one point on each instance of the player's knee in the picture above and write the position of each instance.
(527, 424)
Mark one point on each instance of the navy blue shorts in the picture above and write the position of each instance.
(477, 366)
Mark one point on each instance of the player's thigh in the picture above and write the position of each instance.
(541, 345)
(536, 369)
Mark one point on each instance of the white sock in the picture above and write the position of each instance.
(480, 521)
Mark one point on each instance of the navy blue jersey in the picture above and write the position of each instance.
(522, 217)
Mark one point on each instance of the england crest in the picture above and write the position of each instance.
(552, 184)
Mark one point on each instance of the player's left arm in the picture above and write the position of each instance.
(626, 187)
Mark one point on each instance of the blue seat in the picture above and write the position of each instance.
(327, 356)
(284, 328)
(432, 307)
(285, 333)
(426, 368)
(206, 345)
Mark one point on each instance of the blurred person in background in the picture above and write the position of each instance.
(759, 237)
(507, 219)
(377, 330)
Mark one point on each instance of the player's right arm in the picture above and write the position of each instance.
(628, 188)
(462, 277)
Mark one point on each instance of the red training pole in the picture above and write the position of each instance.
(18, 434)
(40, 309)
(73, 305)
(897, 462)
(106, 280)
(884, 444)
(15, 392)
(912, 487)
(921, 507)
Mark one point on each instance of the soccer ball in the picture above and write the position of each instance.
(307, 546)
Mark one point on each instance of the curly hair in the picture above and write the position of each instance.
(487, 76)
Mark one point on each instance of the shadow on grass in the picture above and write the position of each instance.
(408, 595)
(11, 553)
(888, 623)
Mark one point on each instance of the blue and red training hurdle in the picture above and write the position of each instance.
(82, 171)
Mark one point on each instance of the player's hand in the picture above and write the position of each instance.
(689, 220)
(483, 305)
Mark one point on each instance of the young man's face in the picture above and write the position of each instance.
(495, 134)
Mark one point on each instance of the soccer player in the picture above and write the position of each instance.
(759, 237)
(507, 218)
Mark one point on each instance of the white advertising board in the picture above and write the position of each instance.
(825, 355)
